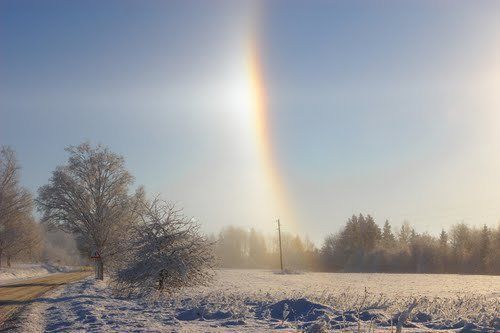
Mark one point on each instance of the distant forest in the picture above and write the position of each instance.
(363, 246)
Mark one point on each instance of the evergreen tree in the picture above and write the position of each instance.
(404, 234)
(388, 239)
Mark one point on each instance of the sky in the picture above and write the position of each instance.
(244, 112)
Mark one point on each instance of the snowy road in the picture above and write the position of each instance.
(17, 294)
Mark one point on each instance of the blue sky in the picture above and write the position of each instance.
(389, 108)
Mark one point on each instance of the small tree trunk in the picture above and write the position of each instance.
(160, 284)
(1, 258)
(161, 279)
(8, 261)
(99, 269)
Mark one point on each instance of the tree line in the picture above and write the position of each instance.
(237, 247)
(361, 245)
(89, 206)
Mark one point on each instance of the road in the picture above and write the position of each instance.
(14, 295)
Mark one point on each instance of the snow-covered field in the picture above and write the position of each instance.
(257, 300)
(24, 271)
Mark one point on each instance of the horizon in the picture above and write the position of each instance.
(245, 112)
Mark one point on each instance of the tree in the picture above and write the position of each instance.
(26, 240)
(461, 245)
(88, 197)
(328, 251)
(16, 205)
(167, 251)
(370, 233)
(362, 232)
(232, 247)
(443, 251)
(257, 249)
(484, 250)
(293, 250)
(388, 239)
(405, 234)
(347, 249)
(495, 249)
(443, 239)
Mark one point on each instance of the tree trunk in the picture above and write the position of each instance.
(8, 261)
(161, 280)
(1, 258)
(160, 284)
(99, 269)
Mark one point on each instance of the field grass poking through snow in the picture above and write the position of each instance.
(257, 300)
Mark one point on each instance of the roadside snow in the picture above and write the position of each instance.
(86, 306)
(25, 271)
(90, 306)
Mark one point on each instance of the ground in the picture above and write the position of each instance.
(257, 300)
(15, 295)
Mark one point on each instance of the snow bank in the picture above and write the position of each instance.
(297, 309)
(24, 271)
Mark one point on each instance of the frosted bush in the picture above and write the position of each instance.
(167, 252)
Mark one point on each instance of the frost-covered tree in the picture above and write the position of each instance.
(18, 231)
(88, 197)
(26, 241)
(167, 251)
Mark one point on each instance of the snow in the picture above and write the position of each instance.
(25, 271)
(276, 303)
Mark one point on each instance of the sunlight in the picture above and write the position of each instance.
(238, 95)
(488, 91)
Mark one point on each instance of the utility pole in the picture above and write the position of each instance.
(281, 251)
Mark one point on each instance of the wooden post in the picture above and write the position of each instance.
(281, 251)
